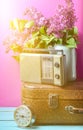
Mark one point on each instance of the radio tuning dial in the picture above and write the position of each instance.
(57, 76)
(56, 64)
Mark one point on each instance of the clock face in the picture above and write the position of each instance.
(23, 116)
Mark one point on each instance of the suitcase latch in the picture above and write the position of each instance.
(53, 100)
(74, 110)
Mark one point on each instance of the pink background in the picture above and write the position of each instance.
(10, 94)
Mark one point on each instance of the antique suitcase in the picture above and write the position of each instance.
(54, 105)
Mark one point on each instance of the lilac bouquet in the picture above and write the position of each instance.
(37, 31)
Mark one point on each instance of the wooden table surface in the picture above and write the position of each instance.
(7, 122)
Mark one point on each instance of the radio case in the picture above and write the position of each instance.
(43, 68)
(54, 105)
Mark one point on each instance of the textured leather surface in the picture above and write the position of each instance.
(74, 90)
(36, 97)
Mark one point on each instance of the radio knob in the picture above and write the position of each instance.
(57, 76)
(56, 64)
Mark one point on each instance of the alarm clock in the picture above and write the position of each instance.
(23, 116)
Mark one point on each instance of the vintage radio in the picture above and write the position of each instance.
(43, 68)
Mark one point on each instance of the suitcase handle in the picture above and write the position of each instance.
(74, 110)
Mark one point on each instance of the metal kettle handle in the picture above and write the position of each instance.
(74, 110)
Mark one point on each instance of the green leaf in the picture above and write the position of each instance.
(69, 36)
(14, 24)
(75, 30)
(29, 24)
(71, 43)
(22, 25)
(42, 30)
(71, 46)
(35, 34)
(41, 44)
(48, 39)
(17, 58)
(51, 38)
(64, 31)
(44, 38)
(18, 24)
(59, 41)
